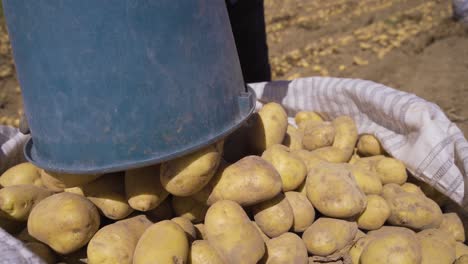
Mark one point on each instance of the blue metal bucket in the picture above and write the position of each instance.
(117, 84)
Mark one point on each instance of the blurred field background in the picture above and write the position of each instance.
(411, 45)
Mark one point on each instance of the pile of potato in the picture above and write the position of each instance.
(269, 193)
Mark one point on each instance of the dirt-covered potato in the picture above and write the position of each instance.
(249, 181)
(104, 248)
(57, 182)
(231, 233)
(23, 173)
(291, 168)
(452, 224)
(189, 208)
(188, 174)
(369, 145)
(437, 247)
(332, 191)
(17, 201)
(302, 209)
(293, 138)
(305, 116)
(318, 135)
(368, 181)
(286, 248)
(202, 252)
(274, 216)
(375, 214)
(327, 235)
(162, 212)
(165, 242)
(64, 221)
(187, 226)
(269, 127)
(143, 188)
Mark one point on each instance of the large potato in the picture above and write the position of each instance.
(57, 182)
(269, 127)
(453, 225)
(327, 235)
(302, 209)
(189, 208)
(375, 214)
(165, 242)
(231, 233)
(368, 181)
(115, 243)
(64, 221)
(162, 212)
(188, 174)
(23, 173)
(203, 253)
(369, 145)
(143, 188)
(187, 226)
(249, 181)
(17, 201)
(332, 191)
(291, 168)
(286, 248)
(437, 247)
(306, 116)
(318, 135)
(293, 138)
(275, 216)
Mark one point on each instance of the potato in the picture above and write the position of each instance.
(143, 188)
(333, 192)
(115, 243)
(411, 188)
(390, 230)
(391, 171)
(392, 247)
(187, 226)
(162, 212)
(356, 250)
(291, 169)
(269, 127)
(71, 225)
(345, 135)
(23, 173)
(392, 189)
(258, 180)
(57, 182)
(165, 242)
(375, 214)
(436, 247)
(108, 194)
(264, 237)
(368, 181)
(16, 201)
(413, 211)
(42, 251)
(203, 253)
(231, 233)
(189, 208)
(369, 163)
(188, 174)
(275, 216)
(369, 145)
(286, 248)
(310, 160)
(302, 209)
(462, 260)
(306, 115)
(452, 224)
(76, 190)
(460, 249)
(293, 138)
(200, 231)
(318, 135)
(331, 154)
(327, 235)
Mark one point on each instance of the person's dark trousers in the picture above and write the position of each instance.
(248, 25)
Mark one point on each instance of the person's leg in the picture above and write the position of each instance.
(248, 26)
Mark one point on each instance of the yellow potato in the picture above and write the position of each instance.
(369, 163)
(291, 169)
(375, 215)
(189, 208)
(23, 173)
(391, 170)
(162, 212)
(436, 247)
(392, 189)
(187, 175)
(333, 192)
(411, 188)
(452, 224)
(275, 216)
(327, 235)
(302, 209)
(57, 182)
(306, 115)
(356, 250)
(462, 260)
(331, 154)
(64, 221)
(115, 243)
(310, 160)
(369, 145)
(200, 230)
(264, 237)
(345, 135)
(108, 194)
(318, 135)
(293, 138)
(269, 127)
(460, 249)
(286, 248)
(203, 253)
(258, 180)
(76, 190)
(143, 188)
(17, 201)
(187, 226)
(165, 242)
(368, 181)
(42, 251)
(231, 233)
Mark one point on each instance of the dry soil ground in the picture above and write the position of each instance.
(412, 45)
